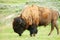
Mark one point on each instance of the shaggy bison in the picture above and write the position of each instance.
(34, 16)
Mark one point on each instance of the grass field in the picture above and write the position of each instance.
(12, 1)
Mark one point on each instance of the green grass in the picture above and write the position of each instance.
(12, 1)
(7, 33)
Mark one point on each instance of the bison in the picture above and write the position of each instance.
(34, 16)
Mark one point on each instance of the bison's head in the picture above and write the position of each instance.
(19, 25)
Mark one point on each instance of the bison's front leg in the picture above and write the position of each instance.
(33, 30)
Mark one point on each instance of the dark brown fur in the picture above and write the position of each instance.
(34, 16)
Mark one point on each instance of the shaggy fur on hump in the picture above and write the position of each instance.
(31, 15)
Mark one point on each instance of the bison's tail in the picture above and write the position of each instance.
(59, 14)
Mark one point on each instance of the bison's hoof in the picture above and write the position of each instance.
(57, 33)
(49, 34)
(32, 35)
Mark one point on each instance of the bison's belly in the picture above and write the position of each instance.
(45, 19)
(44, 22)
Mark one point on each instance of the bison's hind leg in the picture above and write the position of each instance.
(52, 28)
(54, 24)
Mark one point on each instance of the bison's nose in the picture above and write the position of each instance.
(19, 34)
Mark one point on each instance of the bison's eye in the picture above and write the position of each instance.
(22, 23)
